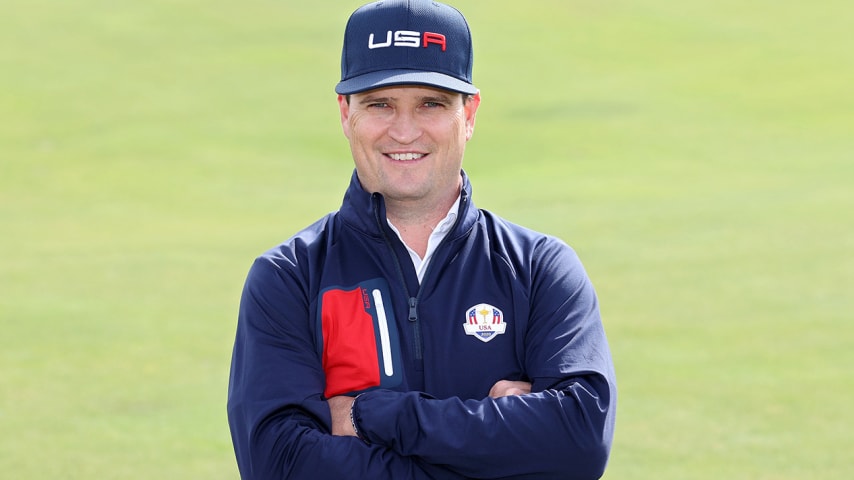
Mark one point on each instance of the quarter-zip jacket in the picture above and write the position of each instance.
(338, 310)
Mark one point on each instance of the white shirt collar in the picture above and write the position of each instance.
(439, 233)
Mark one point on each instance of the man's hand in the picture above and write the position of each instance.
(340, 407)
(505, 388)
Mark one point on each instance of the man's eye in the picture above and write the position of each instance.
(432, 104)
(378, 105)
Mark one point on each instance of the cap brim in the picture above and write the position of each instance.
(389, 78)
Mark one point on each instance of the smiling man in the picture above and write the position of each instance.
(410, 335)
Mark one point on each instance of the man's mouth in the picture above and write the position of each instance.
(405, 157)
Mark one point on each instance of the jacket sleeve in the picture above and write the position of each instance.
(279, 420)
(563, 429)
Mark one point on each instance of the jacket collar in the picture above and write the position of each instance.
(366, 211)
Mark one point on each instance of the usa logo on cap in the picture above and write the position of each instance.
(484, 322)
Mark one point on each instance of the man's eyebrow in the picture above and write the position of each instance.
(372, 99)
(425, 99)
(436, 99)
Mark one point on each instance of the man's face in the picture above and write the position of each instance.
(408, 142)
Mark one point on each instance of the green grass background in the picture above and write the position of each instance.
(697, 154)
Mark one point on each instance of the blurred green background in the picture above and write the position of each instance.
(697, 154)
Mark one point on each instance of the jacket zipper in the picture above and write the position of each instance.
(413, 301)
(416, 325)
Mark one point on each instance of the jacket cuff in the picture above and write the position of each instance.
(354, 419)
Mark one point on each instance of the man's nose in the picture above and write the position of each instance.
(404, 128)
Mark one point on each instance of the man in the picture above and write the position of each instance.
(410, 335)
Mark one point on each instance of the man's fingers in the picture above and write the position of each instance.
(504, 388)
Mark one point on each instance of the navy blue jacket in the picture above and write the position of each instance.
(338, 309)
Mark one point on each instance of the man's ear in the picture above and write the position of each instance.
(470, 108)
(344, 107)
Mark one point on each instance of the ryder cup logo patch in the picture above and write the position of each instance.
(484, 322)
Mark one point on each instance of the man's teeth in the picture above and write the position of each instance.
(405, 156)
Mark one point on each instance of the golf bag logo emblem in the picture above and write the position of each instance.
(484, 322)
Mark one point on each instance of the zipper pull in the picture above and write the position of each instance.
(413, 315)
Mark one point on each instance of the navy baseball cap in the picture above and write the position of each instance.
(406, 42)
